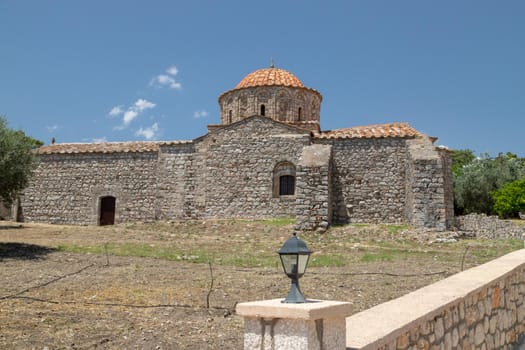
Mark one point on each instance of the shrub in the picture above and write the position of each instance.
(509, 200)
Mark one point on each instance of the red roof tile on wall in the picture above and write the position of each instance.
(402, 130)
(106, 147)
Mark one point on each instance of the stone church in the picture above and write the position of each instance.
(268, 157)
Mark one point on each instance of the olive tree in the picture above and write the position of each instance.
(476, 180)
(17, 161)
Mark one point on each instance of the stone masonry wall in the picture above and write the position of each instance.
(492, 318)
(448, 187)
(176, 182)
(67, 187)
(483, 226)
(428, 186)
(368, 180)
(231, 172)
(281, 103)
(236, 170)
(314, 188)
(481, 308)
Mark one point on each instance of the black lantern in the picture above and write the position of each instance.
(294, 256)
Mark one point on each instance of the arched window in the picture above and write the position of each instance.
(284, 179)
(263, 110)
(286, 185)
(299, 114)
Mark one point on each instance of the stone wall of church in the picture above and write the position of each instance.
(297, 106)
(67, 188)
(314, 188)
(177, 182)
(430, 201)
(236, 169)
(232, 171)
(369, 180)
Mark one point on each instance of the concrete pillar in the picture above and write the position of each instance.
(314, 325)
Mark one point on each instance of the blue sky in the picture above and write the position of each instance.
(83, 71)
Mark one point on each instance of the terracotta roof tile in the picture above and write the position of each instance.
(106, 147)
(396, 130)
(269, 76)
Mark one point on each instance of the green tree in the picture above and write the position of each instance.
(476, 181)
(460, 158)
(509, 200)
(17, 160)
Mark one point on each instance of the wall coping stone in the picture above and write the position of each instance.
(386, 322)
(311, 310)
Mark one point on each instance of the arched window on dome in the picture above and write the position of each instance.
(263, 110)
(299, 114)
(284, 179)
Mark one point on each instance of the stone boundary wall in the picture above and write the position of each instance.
(480, 308)
(483, 226)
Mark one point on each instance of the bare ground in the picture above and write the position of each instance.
(175, 285)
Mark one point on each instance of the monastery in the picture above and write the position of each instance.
(268, 157)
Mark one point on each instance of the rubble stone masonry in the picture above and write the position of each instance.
(480, 308)
(369, 177)
(233, 172)
(67, 187)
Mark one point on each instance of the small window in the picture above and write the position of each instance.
(230, 112)
(299, 114)
(286, 185)
(284, 179)
(263, 110)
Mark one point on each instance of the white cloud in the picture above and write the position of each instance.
(99, 140)
(142, 105)
(172, 70)
(200, 114)
(115, 111)
(131, 113)
(129, 116)
(52, 128)
(150, 133)
(163, 80)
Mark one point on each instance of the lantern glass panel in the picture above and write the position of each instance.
(289, 264)
(303, 261)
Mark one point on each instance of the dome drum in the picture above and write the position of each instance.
(274, 93)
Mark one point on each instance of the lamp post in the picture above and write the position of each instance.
(294, 256)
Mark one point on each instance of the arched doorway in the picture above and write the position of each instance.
(107, 210)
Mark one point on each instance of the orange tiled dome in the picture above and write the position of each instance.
(269, 76)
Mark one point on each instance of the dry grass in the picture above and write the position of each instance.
(61, 292)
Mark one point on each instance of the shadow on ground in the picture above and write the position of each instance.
(23, 251)
(9, 226)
